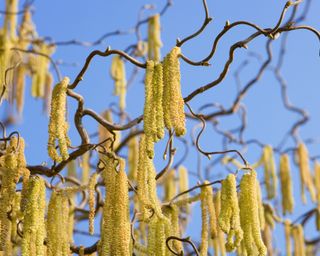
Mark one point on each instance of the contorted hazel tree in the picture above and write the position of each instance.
(143, 184)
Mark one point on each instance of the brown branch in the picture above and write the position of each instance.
(206, 21)
(106, 53)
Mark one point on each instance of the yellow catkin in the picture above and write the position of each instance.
(107, 227)
(5, 58)
(121, 238)
(72, 169)
(40, 67)
(85, 165)
(286, 185)
(71, 220)
(184, 186)
(142, 177)
(298, 238)
(157, 82)
(27, 29)
(159, 248)
(133, 158)
(153, 107)
(269, 215)
(170, 186)
(260, 206)
(10, 19)
(47, 92)
(118, 74)
(249, 215)
(149, 114)
(57, 220)
(159, 226)
(19, 82)
(108, 137)
(13, 166)
(58, 126)
(34, 231)
(115, 233)
(204, 223)
(267, 238)
(270, 175)
(212, 213)
(229, 217)
(305, 175)
(146, 182)
(209, 219)
(219, 241)
(13, 238)
(173, 104)
(91, 188)
(268, 228)
(152, 238)
(172, 212)
(317, 179)
(154, 40)
(287, 233)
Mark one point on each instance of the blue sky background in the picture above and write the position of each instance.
(268, 121)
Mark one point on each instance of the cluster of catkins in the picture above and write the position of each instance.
(308, 181)
(38, 235)
(164, 105)
(17, 39)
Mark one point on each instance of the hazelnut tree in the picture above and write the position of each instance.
(136, 183)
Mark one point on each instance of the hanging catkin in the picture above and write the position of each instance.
(249, 215)
(170, 187)
(5, 63)
(58, 126)
(91, 189)
(58, 239)
(229, 217)
(173, 103)
(219, 241)
(208, 218)
(317, 179)
(298, 238)
(269, 216)
(270, 175)
(260, 206)
(16, 216)
(10, 18)
(34, 231)
(19, 81)
(204, 225)
(118, 74)
(184, 186)
(115, 230)
(286, 185)
(147, 190)
(133, 158)
(111, 140)
(153, 109)
(305, 174)
(317, 186)
(40, 68)
(13, 166)
(287, 233)
(172, 212)
(154, 40)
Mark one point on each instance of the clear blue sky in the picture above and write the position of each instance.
(267, 119)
